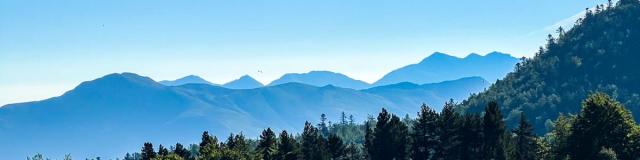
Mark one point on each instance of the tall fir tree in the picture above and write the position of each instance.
(209, 147)
(287, 147)
(382, 138)
(400, 142)
(181, 151)
(147, 152)
(267, 145)
(313, 145)
(449, 133)
(322, 126)
(335, 147)
(368, 140)
(162, 151)
(526, 143)
(493, 130)
(470, 137)
(425, 134)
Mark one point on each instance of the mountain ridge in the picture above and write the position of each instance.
(492, 66)
(321, 78)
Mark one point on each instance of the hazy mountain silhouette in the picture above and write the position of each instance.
(321, 78)
(440, 67)
(190, 79)
(244, 82)
(121, 110)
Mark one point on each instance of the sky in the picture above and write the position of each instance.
(49, 47)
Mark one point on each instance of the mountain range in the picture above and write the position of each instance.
(435, 68)
(321, 78)
(440, 67)
(244, 82)
(190, 79)
(119, 110)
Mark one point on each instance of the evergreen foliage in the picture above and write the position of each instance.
(598, 54)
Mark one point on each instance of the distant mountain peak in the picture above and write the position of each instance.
(473, 55)
(126, 77)
(244, 82)
(321, 78)
(190, 79)
(439, 67)
(247, 77)
(116, 81)
(498, 54)
(438, 56)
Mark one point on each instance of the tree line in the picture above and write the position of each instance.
(603, 129)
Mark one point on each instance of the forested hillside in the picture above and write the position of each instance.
(599, 54)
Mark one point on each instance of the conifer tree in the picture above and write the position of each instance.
(322, 126)
(449, 133)
(181, 151)
(209, 147)
(368, 140)
(526, 146)
(287, 147)
(382, 139)
(335, 147)
(267, 145)
(425, 134)
(147, 151)
(470, 137)
(400, 143)
(313, 145)
(162, 151)
(493, 133)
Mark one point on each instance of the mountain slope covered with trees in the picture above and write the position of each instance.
(599, 54)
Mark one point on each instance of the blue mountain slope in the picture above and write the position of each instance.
(244, 82)
(190, 79)
(118, 110)
(433, 94)
(124, 110)
(440, 67)
(321, 78)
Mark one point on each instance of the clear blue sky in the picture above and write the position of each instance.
(48, 47)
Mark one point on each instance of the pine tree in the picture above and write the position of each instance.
(343, 118)
(242, 146)
(471, 137)
(324, 129)
(526, 146)
(602, 123)
(181, 151)
(335, 147)
(209, 147)
(368, 140)
(382, 138)
(128, 157)
(400, 143)
(162, 151)
(449, 133)
(351, 120)
(287, 147)
(267, 145)
(147, 151)
(493, 133)
(425, 134)
(313, 145)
